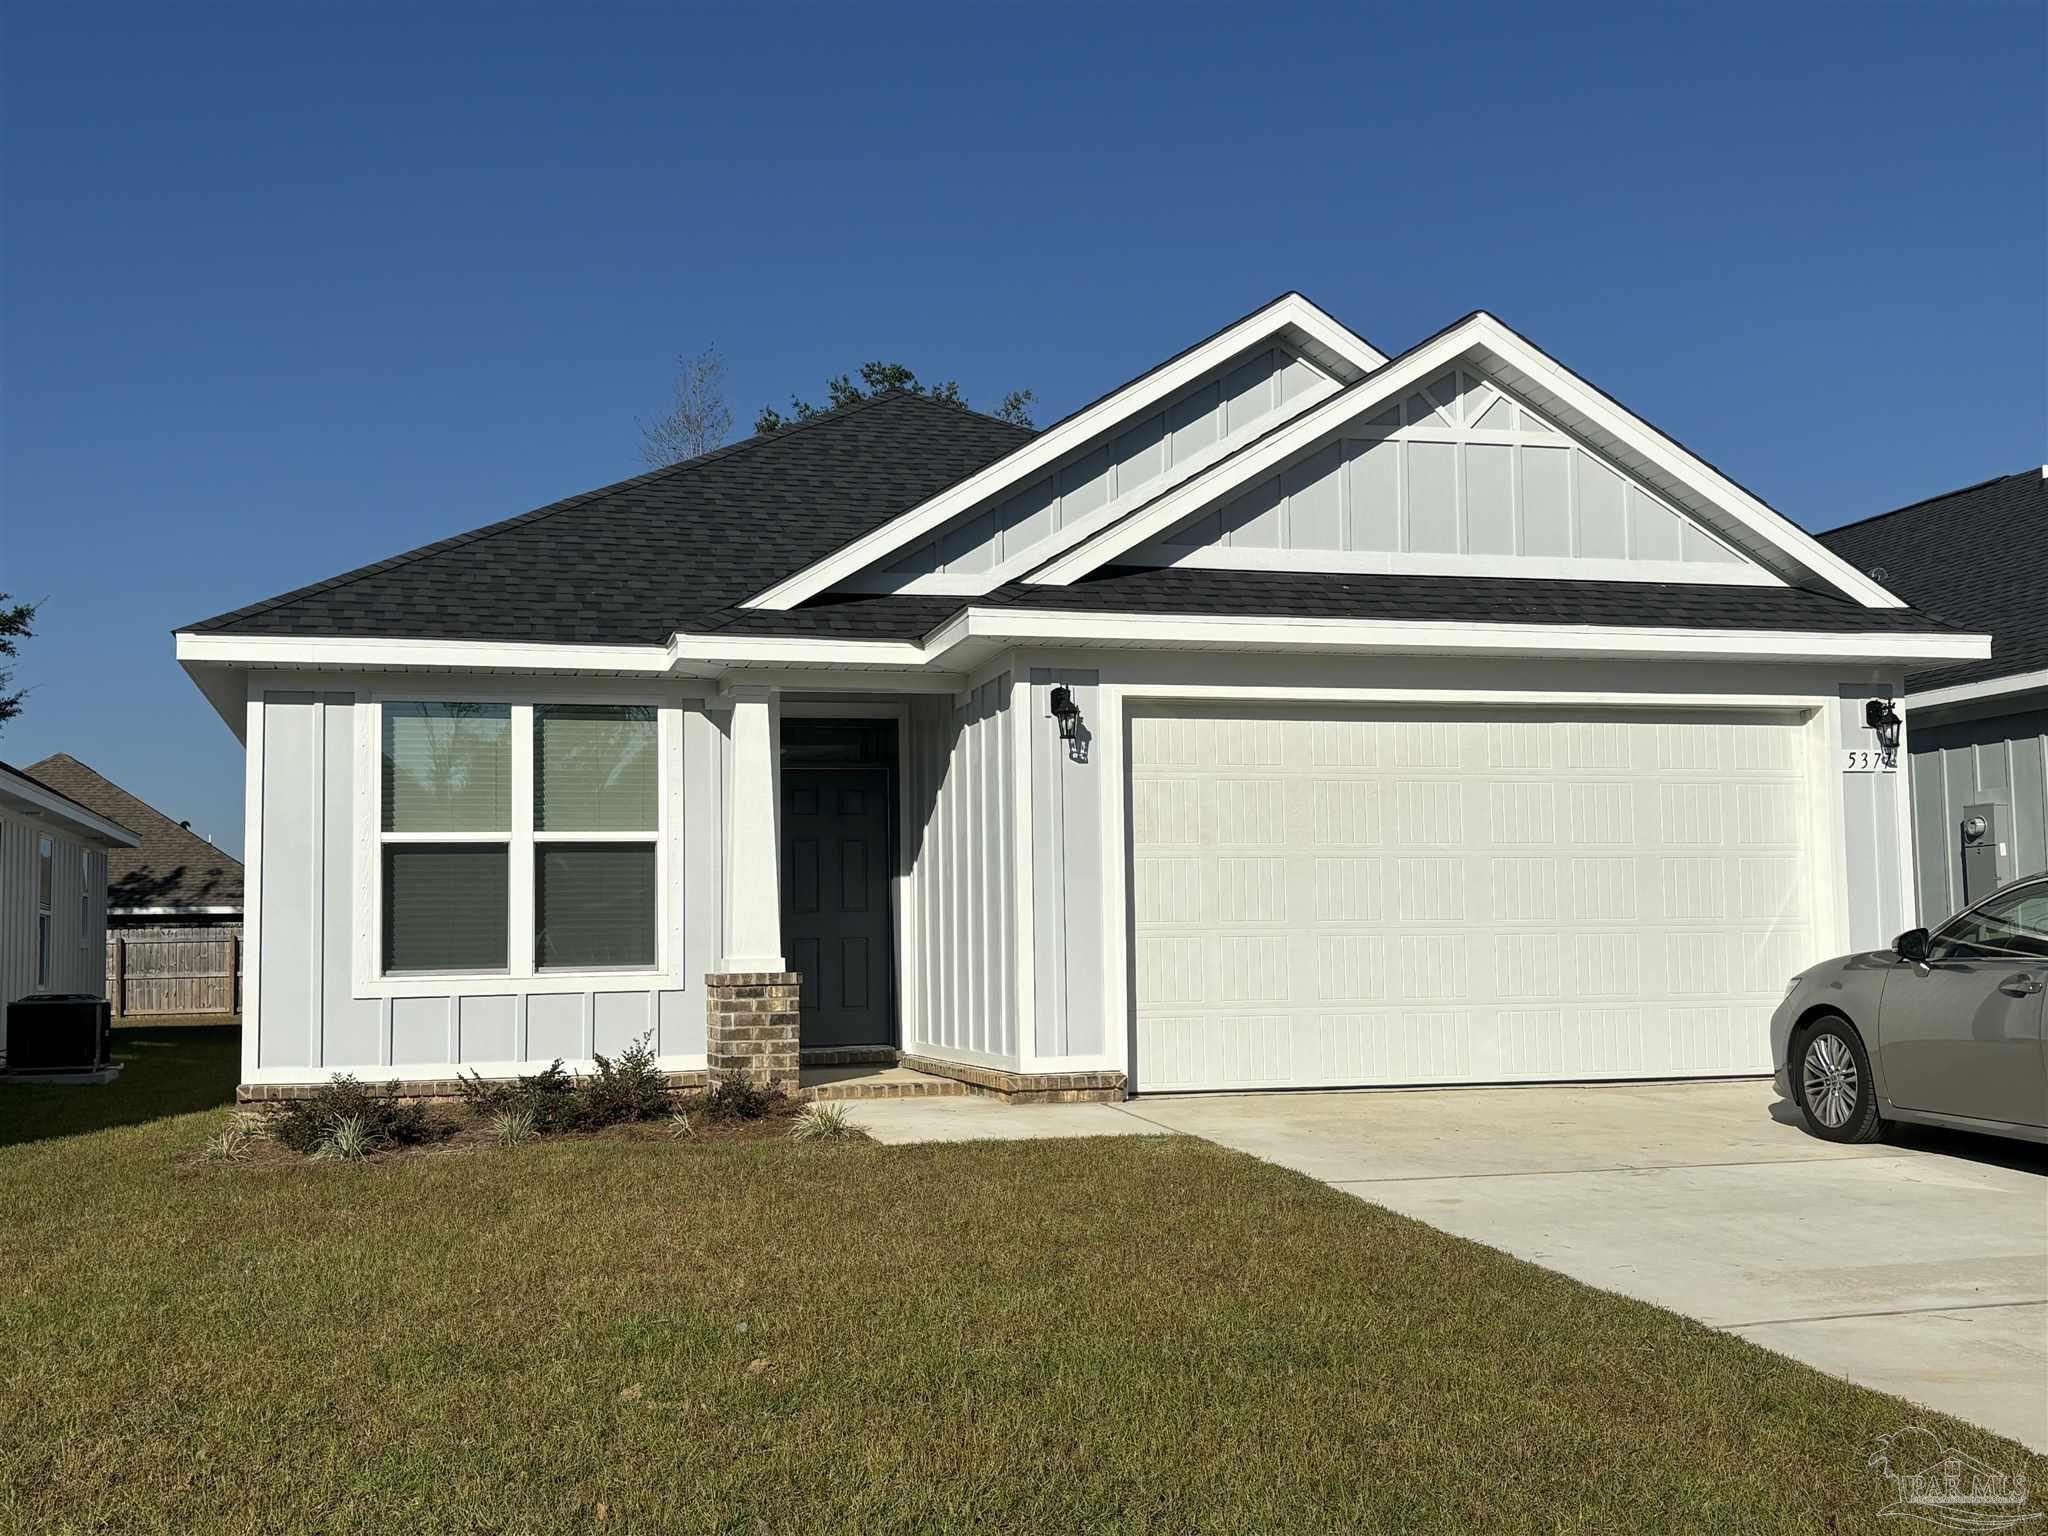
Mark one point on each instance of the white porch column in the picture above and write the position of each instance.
(753, 844)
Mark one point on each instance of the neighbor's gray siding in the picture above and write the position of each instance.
(2001, 759)
(307, 1013)
(1067, 856)
(1223, 406)
(962, 819)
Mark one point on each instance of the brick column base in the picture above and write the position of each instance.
(750, 1026)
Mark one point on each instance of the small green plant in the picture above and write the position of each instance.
(305, 1125)
(349, 1140)
(679, 1125)
(513, 1127)
(735, 1096)
(231, 1143)
(823, 1122)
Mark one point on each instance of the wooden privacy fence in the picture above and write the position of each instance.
(181, 970)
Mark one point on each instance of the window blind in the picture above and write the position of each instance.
(447, 767)
(445, 906)
(594, 905)
(594, 768)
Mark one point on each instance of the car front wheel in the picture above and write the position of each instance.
(1831, 1077)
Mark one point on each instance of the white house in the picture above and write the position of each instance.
(1292, 715)
(53, 891)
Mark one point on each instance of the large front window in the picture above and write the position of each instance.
(468, 817)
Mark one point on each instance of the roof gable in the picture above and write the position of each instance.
(172, 868)
(1457, 478)
(1681, 479)
(1290, 324)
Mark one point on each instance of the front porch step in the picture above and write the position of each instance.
(829, 1085)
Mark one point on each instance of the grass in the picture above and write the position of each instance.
(662, 1334)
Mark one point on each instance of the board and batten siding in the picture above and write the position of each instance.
(1229, 406)
(1459, 469)
(962, 885)
(306, 1012)
(2000, 760)
(75, 951)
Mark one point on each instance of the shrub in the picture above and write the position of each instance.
(824, 1122)
(307, 1124)
(513, 1126)
(631, 1088)
(737, 1097)
(549, 1096)
(679, 1125)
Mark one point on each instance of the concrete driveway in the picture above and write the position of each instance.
(1919, 1268)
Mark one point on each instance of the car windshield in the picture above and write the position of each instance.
(2014, 923)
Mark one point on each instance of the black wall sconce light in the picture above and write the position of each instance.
(1883, 717)
(1067, 712)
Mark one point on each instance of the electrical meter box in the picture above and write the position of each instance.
(1987, 853)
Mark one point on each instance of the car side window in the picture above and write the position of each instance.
(2014, 925)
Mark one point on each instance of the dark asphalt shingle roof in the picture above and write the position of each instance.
(632, 563)
(173, 867)
(1977, 557)
(680, 549)
(1198, 592)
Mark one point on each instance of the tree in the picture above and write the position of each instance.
(15, 622)
(699, 419)
(887, 379)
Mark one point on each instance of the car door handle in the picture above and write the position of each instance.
(2021, 985)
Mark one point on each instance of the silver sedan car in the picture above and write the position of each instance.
(1943, 1028)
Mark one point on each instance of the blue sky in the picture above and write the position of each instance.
(289, 289)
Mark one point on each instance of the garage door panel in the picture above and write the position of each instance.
(1374, 899)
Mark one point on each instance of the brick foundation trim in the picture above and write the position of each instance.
(416, 1088)
(849, 1056)
(1026, 1087)
(750, 1026)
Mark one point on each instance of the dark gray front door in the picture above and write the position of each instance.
(836, 861)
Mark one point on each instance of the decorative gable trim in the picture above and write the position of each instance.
(1336, 350)
(1530, 375)
(1459, 479)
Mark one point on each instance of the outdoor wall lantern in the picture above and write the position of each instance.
(1883, 718)
(1067, 712)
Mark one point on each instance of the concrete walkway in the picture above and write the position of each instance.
(1918, 1267)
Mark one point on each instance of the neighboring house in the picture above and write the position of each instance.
(1976, 731)
(173, 878)
(1293, 715)
(53, 881)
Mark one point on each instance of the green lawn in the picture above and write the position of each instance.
(1127, 1334)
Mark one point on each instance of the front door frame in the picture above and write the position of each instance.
(904, 1000)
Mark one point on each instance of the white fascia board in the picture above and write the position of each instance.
(47, 808)
(377, 653)
(1014, 626)
(1493, 342)
(1055, 443)
(1969, 693)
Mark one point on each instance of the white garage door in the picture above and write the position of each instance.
(1427, 897)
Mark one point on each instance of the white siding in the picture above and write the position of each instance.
(77, 954)
(963, 876)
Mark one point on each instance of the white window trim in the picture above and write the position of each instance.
(45, 939)
(521, 974)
